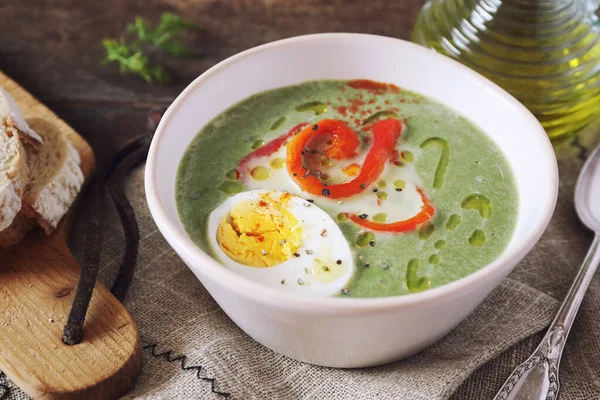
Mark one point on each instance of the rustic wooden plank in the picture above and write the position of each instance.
(38, 278)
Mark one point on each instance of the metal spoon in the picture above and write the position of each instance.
(537, 377)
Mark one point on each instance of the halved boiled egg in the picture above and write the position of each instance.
(283, 241)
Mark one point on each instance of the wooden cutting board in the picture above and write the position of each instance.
(38, 278)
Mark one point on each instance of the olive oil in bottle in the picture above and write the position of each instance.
(546, 53)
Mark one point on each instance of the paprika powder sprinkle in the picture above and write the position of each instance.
(372, 86)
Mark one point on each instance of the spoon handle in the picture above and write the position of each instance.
(537, 377)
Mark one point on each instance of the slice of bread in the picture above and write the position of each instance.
(55, 176)
(14, 122)
(13, 176)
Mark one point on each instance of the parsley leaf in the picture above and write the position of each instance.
(167, 36)
(133, 61)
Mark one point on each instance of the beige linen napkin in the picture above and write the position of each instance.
(175, 314)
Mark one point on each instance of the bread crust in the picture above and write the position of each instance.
(50, 202)
(14, 122)
(38, 183)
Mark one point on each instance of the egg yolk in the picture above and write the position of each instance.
(260, 233)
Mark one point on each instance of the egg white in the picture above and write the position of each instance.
(323, 244)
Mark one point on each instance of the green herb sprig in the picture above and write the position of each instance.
(167, 36)
(133, 61)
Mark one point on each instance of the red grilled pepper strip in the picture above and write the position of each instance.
(267, 149)
(385, 134)
(407, 225)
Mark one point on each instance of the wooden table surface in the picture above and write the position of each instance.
(52, 48)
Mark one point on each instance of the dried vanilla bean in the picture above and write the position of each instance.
(73, 330)
(134, 152)
(128, 220)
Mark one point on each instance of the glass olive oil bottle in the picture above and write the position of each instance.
(546, 53)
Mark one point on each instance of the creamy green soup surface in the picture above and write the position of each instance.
(439, 155)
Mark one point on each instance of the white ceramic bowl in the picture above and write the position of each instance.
(348, 332)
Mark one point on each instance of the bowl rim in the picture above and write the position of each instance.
(273, 297)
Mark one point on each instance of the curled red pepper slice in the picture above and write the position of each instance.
(344, 143)
(407, 225)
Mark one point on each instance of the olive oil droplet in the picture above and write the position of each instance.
(453, 222)
(440, 170)
(440, 244)
(230, 187)
(341, 217)
(478, 202)
(278, 123)
(232, 175)
(380, 114)
(317, 107)
(257, 143)
(399, 184)
(381, 183)
(414, 282)
(382, 195)
(426, 230)
(277, 163)
(477, 238)
(260, 173)
(380, 217)
(408, 156)
(434, 259)
(364, 238)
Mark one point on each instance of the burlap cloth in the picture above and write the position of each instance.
(175, 313)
